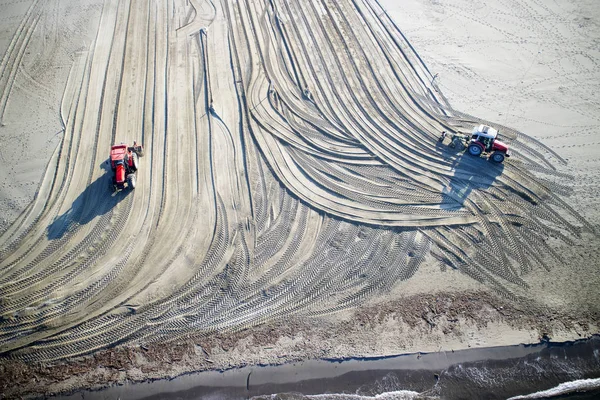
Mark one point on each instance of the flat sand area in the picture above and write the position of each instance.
(293, 201)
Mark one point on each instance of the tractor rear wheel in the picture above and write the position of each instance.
(131, 181)
(497, 157)
(134, 162)
(474, 150)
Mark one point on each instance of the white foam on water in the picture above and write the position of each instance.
(580, 385)
(395, 395)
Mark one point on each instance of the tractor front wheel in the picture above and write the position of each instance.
(131, 181)
(474, 150)
(497, 157)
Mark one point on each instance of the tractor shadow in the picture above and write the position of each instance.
(96, 200)
(470, 173)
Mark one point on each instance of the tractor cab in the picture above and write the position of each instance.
(484, 135)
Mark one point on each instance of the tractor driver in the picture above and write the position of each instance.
(487, 142)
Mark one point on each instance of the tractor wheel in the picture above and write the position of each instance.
(474, 150)
(497, 157)
(131, 181)
(134, 162)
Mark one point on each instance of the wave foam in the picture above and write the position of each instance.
(580, 385)
(395, 395)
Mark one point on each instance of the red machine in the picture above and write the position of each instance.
(485, 140)
(124, 164)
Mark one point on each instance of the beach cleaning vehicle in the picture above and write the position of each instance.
(124, 165)
(482, 142)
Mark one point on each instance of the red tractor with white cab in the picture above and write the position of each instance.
(124, 165)
(483, 141)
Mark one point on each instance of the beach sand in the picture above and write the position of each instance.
(293, 202)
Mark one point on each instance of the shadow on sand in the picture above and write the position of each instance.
(469, 173)
(96, 200)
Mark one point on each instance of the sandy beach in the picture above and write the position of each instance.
(293, 201)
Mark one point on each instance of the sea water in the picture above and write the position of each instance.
(580, 389)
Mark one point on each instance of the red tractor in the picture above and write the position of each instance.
(483, 140)
(124, 164)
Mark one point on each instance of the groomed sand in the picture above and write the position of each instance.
(293, 201)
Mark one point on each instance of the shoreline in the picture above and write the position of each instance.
(436, 373)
